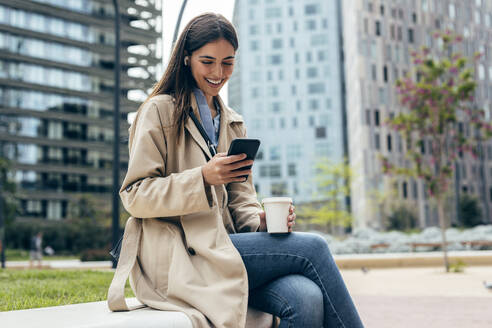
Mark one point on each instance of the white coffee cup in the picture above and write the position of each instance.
(277, 211)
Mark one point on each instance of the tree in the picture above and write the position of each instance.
(470, 214)
(332, 180)
(8, 205)
(439, 97)
(8, 189)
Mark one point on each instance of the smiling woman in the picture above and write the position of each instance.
(197, 241)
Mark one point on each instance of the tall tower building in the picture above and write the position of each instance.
(379, 38)
(287, 85)
(56, 94)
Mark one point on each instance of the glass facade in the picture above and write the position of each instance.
(56, 91)
(288, 89)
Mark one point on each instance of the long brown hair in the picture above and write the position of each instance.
(177, 80)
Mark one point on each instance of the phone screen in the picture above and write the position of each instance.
(244, 146)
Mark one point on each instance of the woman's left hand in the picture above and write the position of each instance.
(291, 219)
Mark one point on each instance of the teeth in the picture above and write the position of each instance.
(214, 82)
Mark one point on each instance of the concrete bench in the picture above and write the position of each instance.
(97, 315)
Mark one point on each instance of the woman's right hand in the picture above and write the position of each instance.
(219, 170)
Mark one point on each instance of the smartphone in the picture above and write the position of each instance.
(244, 146)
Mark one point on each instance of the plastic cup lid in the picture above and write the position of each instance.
(277, 200)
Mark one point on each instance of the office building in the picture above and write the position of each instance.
(288, 86)
(379, 36)
(56, 94)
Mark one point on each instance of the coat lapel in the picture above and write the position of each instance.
(193, 130)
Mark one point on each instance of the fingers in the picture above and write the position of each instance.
(232, 158)
(238, 173)
(240, 164)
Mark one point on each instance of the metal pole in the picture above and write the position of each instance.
(178, 22)
(116, 129)
(2, 222)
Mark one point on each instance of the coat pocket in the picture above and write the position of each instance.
(164, 251)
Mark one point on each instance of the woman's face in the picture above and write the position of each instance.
(212, 65)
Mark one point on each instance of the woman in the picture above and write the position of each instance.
(200, 244)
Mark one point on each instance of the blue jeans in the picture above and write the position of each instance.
(294, 277)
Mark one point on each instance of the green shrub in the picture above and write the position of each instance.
(65, 237)
(95, 255)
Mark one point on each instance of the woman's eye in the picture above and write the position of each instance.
(228, 64)
(207, 62)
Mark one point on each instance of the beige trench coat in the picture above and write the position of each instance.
(185, 259)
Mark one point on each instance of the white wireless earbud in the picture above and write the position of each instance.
(186, 60)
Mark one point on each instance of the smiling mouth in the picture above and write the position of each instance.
(214, 82)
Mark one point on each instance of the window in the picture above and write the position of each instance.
(272, 91)
(385, 73)
(278, 189)
(312, 72)
(275, 171)
(311, 24)
(275, 59)
(309, 56)
(389, 142)
(321, 55)
(275, 153)
(323, 149)
(405, 189)
(378, 28)
(410, 35)
(328, 103)
(313, 104)
(293, 151)
(254, 45)
(311, 120)
(263, 170)
(291, 170)
(373, 72)
(311, 9)
(376, 141)
(381, 10)
(253, 29)
(320, 132)
(276, 107)
(376, 117)
(316, 88)
(273, 12)
(294, 122)
(368, 116)
(414, 18)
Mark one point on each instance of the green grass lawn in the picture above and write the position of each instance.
(26, 289)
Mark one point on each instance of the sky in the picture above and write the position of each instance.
(170, 12)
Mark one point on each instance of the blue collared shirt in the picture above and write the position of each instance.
(211, 125)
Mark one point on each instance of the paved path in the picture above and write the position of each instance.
(422, 297)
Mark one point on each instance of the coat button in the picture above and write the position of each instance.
(129, 188)
(191, 251)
